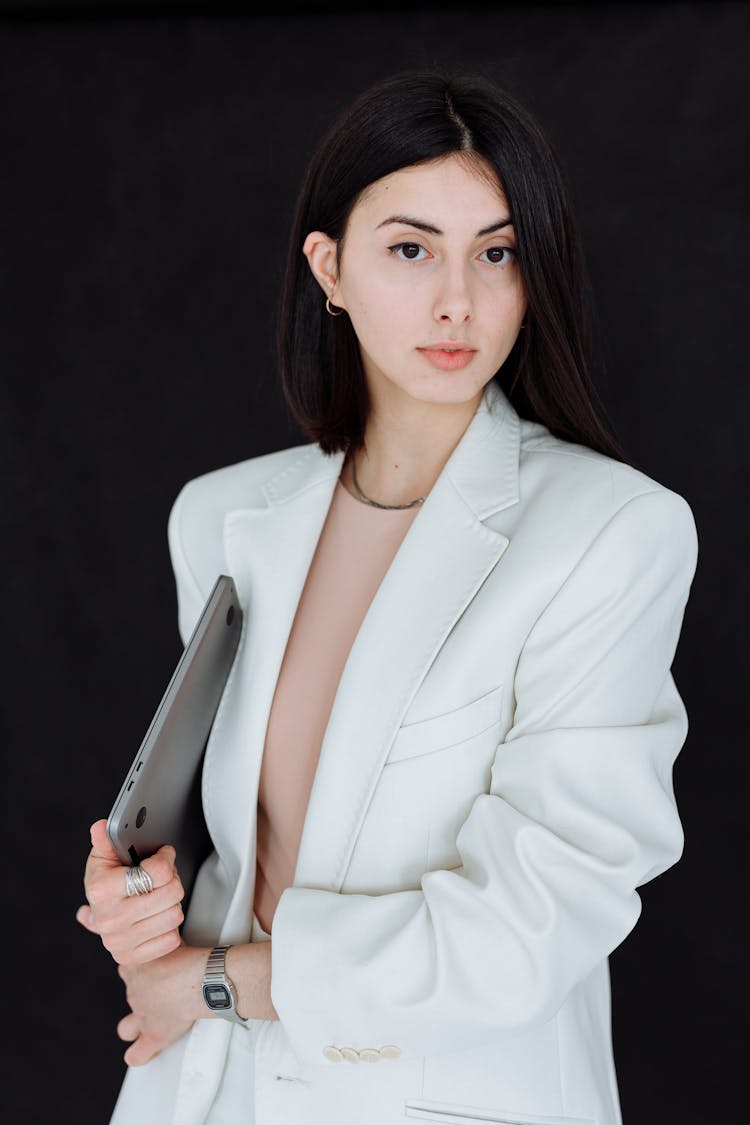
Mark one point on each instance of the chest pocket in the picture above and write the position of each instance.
(449, 730)
(436, 769)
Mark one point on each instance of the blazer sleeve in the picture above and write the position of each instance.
(579, 813)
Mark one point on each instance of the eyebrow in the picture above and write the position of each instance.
(420, 224)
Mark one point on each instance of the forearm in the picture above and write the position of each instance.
(165, 995)
(249, 969)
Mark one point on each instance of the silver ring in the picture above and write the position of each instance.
(138, 881)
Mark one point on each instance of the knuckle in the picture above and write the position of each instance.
(92, 891)
(90, 926)
(147, 951)
(171, 910)
(107, 926)
(176, 890)
(114, 944)
(95, 876)
(118, 952)
(171, 941)
(166, 899)
(174, 916)
(159, 870)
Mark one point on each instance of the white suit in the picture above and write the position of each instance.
(493, 786)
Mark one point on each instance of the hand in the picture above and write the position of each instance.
(138, 929)
(165, 1000)
(165, 996)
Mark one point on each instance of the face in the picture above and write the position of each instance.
(428, 260)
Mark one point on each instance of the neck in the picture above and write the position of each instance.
(400, 463)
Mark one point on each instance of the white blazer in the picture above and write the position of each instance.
(493, 785)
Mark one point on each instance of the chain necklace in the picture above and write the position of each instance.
(374, 503)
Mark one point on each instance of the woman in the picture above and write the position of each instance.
(442, 764)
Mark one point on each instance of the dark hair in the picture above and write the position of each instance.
(411, 118)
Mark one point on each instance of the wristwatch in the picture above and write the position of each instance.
(219, 995)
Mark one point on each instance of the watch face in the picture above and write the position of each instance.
(217, 997)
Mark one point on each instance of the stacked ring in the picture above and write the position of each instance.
(137, 881)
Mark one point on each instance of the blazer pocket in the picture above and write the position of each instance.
(450, 1114)
(449, 729)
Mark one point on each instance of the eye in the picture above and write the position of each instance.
(407, 246)
(501, 250)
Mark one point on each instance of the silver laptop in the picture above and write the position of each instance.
(160, 799)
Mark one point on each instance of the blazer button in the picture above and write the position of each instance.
(350, 1054)
(369, 1054)
(390, 1051)
(333, 1054)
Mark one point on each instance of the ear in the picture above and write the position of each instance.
(320, 251)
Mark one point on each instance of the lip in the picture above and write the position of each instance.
(453, 360)
(449, 345)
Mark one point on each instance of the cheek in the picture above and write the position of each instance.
(380, 315)
(379, 297)
(504, 307)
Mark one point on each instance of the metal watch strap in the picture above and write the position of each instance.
(216, 974)
(216, 964)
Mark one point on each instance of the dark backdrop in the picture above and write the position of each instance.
(151, 156)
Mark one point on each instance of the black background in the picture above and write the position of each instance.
(151, 157)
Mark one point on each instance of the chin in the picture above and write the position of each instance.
(439, 388)
(449, 388)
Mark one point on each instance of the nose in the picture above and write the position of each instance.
(453, 302)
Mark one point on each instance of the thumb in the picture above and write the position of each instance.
(101, 845)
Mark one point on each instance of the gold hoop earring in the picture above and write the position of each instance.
(330, 310)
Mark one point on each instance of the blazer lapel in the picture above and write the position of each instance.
(268, 551)
(444, 558)
(442, 561)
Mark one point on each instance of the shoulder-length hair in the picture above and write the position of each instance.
(410, 118)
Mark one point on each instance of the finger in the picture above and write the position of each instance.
(114, 908)
(85, 916)
(162, 898)
(154, 925)
(107, 878)
(129, 1028)
(117, 920)
(101, 845)
(101, 860)
(123, 943)
(150, 950)
(161, 866)
(142, 1051)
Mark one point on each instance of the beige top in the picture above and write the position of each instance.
(355, 548)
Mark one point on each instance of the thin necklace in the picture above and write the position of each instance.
(374, 503)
